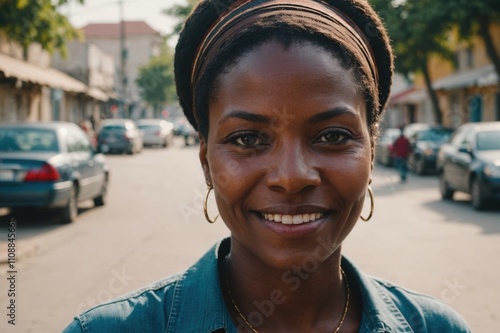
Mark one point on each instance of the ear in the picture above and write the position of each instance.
(204, 160)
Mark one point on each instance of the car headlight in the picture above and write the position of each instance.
(492, 171)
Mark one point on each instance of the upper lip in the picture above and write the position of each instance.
(292, 210)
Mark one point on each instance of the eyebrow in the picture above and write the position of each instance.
(256, 118)
(340, 111)
(317, 118)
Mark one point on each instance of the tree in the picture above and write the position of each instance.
(156, 81)
(475, 18)
(418, 31)
(180, 13)
(37, 21)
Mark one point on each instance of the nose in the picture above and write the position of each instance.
(292, 170)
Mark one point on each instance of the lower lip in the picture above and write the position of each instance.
(292, 230)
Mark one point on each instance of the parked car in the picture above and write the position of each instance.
(384, 146)
(119, 135)
(410, 129)
(425, 147)
(471, 163)
(183, 128)
(157, 132)
(50, 165)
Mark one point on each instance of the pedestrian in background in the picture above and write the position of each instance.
(401, 150)
(287, 96)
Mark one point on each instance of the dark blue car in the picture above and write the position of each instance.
(470, 163)
(50, 165)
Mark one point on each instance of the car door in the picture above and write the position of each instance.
(460, 159)
(451, 158)
(92, 178)
(79, 162)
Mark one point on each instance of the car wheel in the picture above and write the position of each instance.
(446, 191)
(478, 200)
(101, 199)
(69, 213)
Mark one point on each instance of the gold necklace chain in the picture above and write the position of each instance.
(346, 307)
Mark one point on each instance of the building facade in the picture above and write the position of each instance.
(141, 43)
(468, 91)
(32, 90)
(96, 68)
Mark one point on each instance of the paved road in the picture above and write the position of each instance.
(153, 226)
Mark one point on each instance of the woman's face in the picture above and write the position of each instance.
(288, 153)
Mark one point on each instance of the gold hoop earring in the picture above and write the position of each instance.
(372, 208)
(205, 206)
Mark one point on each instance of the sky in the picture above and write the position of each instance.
(108, 11)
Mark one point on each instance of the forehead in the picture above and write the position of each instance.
(274, 76)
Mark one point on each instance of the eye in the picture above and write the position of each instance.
(248, 140)
(334, 136)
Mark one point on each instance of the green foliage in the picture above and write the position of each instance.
(156, 81)
(37, 21)
(180, 13)
(468, 14)
(417, 30)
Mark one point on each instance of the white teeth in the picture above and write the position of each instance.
(287, 219)
(293, 219)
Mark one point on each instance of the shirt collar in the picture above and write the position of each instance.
(380, 312)
(198, 303)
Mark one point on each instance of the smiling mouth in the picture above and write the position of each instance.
(293, 219)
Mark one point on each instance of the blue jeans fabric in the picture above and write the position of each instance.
(402, 167)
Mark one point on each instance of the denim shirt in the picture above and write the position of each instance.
(193, 302)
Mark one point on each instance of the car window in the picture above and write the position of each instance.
(117, 128)
(149, 126)
(28, 140)
(438, 135)
(71, 142)
(488, 140)
(82, 142)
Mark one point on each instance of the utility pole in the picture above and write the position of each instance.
(123, 65)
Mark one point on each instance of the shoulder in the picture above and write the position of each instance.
(144, 309)
(423, 313)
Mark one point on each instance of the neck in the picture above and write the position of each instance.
(297, 299)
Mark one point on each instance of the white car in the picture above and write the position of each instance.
(157, 132)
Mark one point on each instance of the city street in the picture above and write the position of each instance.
(153, 226)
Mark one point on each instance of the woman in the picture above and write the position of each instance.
(286, 95)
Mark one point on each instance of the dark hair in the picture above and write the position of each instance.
(286, 33)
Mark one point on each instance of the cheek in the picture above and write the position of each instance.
(233, 178)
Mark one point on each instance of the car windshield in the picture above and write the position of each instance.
(149, 126)
(28, 140)
(435, 135)
(488, 140)
(390, 135)
(114, 128)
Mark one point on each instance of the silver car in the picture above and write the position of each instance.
(157, 132)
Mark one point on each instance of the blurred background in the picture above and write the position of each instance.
(87, 88)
